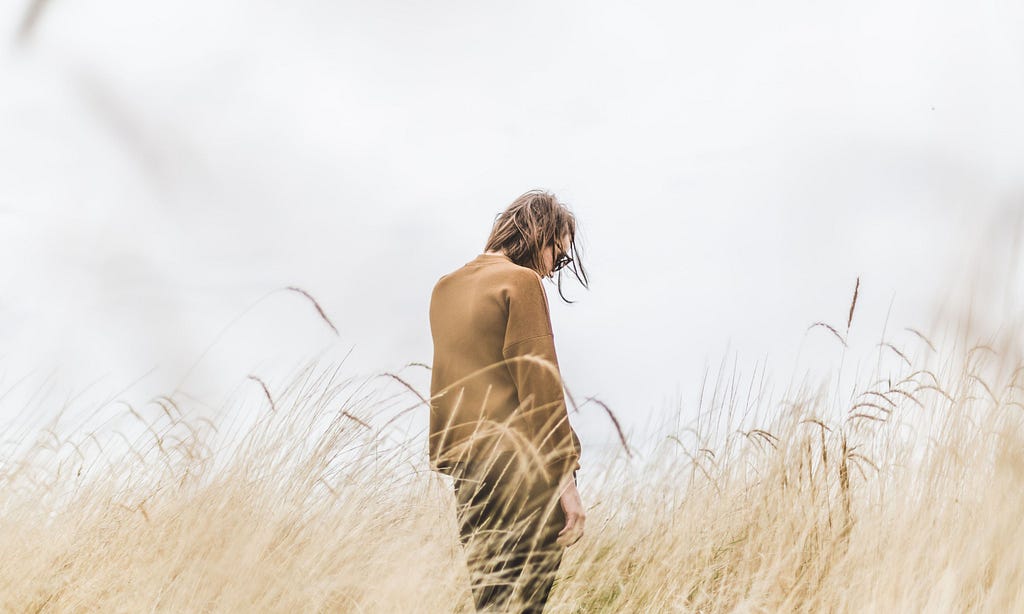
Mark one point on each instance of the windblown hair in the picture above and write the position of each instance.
(536, 221)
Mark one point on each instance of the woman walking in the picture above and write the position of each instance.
(498, 419)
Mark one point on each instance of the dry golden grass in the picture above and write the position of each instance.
(904, 496)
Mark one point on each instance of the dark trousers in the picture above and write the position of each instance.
(509, 518)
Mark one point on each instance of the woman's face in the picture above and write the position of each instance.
(552, 252)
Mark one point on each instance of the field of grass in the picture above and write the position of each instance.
(902, 492)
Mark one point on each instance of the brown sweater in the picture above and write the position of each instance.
(495, 384)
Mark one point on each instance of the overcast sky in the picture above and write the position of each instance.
(734, 166)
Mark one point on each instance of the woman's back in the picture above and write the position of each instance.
(487, 319)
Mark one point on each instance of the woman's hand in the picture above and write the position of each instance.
(572, 505)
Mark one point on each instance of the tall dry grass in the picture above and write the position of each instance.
(902, 493)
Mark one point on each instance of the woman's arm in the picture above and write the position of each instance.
(529, 351)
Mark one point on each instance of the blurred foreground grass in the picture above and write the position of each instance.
(902, 495)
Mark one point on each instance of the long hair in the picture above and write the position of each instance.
(532, 223)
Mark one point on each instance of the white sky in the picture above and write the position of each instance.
(735, 166)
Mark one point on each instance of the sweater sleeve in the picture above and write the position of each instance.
(529, 350)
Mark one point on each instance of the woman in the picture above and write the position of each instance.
(498, 419)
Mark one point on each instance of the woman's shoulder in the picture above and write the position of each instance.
(498, 273)
(517, 278)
